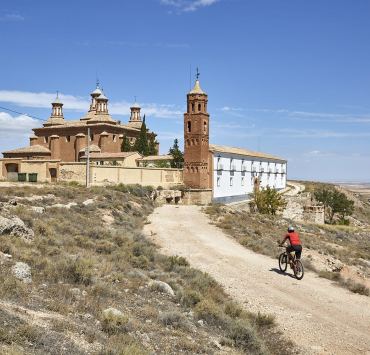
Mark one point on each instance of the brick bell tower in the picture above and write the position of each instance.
(196, 139)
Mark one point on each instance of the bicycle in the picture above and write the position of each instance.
(295, 264)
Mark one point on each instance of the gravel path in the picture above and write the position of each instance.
(318, 316)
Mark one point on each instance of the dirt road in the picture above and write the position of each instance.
(318, 316)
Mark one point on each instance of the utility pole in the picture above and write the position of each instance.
(88, 159)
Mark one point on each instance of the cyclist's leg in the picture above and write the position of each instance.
(298, 251)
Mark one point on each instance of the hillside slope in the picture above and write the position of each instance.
(319, 316)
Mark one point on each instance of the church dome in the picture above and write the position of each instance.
(197, 89)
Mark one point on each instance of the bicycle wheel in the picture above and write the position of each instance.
(298, 270)
(283, 261)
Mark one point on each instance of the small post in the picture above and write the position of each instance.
(88, 158)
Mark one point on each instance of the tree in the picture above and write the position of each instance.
(323, 195)
(141, 144)
(341, 205)
(337, 203)
(268, 201)
(125, 146)
(177, 154)
(152, 149)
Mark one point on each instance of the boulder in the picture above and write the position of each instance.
(38, 209)
(161, 286)
(4, 258)
(68, 205)
(88, 202)
(15, 226)
(112, 312)
(22, 271)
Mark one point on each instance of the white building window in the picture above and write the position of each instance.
(242, 181)
(218, 182)
(231, 181)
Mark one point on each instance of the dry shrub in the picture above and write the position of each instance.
(334, 276)
(174, 319)
(114, 323)
(210, 312)
(189, 298)
(232, 309)
(175, 261)
(123, 344)
(245, 337)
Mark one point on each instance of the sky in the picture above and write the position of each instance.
(288, 77)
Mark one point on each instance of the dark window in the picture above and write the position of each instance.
(192, 108)
(68, 138)
(91, 137)
(205, 127)
(189, 126)
(199, 107)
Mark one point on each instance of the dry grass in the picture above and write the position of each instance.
(80, 266)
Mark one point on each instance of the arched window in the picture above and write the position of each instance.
(199, 107)
(205, 127)
(189, 126)
(192, 107)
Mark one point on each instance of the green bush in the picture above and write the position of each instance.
(268, 201)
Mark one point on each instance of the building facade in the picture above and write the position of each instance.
(229, 173)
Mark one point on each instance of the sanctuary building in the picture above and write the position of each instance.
(66, 140)
(228, 173)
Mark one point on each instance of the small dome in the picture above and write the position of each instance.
(197, 89)
(57, 101)
(135, 105)
(102, 97)
(96, 92)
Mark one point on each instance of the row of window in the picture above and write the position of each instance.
(256, 166)
(231, 180)
(199, 106)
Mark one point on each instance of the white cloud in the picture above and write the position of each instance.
(81, 104)
(42, 100)
(11, 18)
(15, 130)
(313, 133)
(319, 116)
(228, 109)
(188, 5)
(20, 124)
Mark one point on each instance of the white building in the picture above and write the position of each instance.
(236, 171)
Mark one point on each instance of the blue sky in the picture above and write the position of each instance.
(289, 77)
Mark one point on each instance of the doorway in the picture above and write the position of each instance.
(53, 174)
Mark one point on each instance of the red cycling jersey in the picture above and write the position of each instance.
(293, 238)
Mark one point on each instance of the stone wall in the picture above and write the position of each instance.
(197, 197)
(72, 172)
(103, 175)
(301, 208)
(314, 214)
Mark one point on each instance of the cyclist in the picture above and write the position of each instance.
(294, 241)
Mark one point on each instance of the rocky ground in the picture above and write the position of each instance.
(78, 277)
(319, 316)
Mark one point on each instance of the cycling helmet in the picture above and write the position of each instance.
(290, 229)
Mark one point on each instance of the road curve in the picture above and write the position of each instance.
(318, 316)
